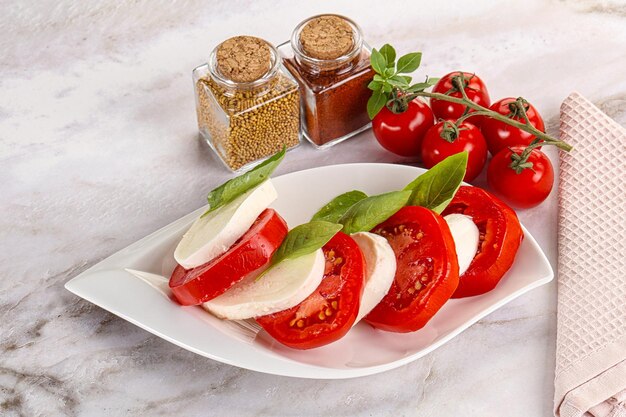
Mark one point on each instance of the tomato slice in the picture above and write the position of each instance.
(329, 312)
(252, 251)
(500, 237)
(427, 269)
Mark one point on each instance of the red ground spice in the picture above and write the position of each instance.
(334, 102)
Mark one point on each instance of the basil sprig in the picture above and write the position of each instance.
(371, 211)
(390, 79)
(337, 207)
(302, 240)
(435, 188)
(233, 188)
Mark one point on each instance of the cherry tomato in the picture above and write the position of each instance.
(328, 313)
(252, 251)
(499, 135)
(427, 269)
(435, 148)
(500, 238)
(526, 189)
(402, 133)
(475, 89)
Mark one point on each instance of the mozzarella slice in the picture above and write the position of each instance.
(380, 269)
(213, 234)
(465, 235)
(284, 286)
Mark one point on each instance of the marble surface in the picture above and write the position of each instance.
(98, 147)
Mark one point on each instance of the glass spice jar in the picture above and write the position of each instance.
(331, 61)
(248, 105)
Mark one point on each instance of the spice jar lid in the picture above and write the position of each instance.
(326, 42)
(243, 62)
(326, 37)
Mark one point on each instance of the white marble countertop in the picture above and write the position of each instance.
(98, 147)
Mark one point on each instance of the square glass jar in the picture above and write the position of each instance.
(334, 92)
(245, 123)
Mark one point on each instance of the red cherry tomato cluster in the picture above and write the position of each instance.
(434, 133)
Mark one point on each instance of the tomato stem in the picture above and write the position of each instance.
(450, 131)
(399, 103)
(526, 127)
(459, 82)
(472, 114)
(519, 162)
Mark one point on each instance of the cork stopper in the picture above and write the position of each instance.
(327, 37)
(243, 59)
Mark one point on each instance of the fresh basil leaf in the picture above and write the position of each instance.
(379, 63)
(387, 88)
(233, 188)
(389, 53)
(418, 87)
(435, 188)
(305, 239)
(336, 208)
(423, 86)
(398, 81)
(409, 62)
(389, 72)
(378, 77)
(375, 103)
(371, 211)
(375, 85)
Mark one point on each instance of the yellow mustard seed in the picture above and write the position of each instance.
(245, 126)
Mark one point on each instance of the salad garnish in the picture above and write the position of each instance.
(235, 187)
(435, 188)
(336, 207)
(302, 240)
(371, 211)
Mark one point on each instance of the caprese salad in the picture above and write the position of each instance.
(391, 260)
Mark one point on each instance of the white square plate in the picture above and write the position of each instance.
(363, 351)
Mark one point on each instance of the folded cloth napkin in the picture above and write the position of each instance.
(591, 319)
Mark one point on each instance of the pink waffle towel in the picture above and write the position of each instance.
(590, 376)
